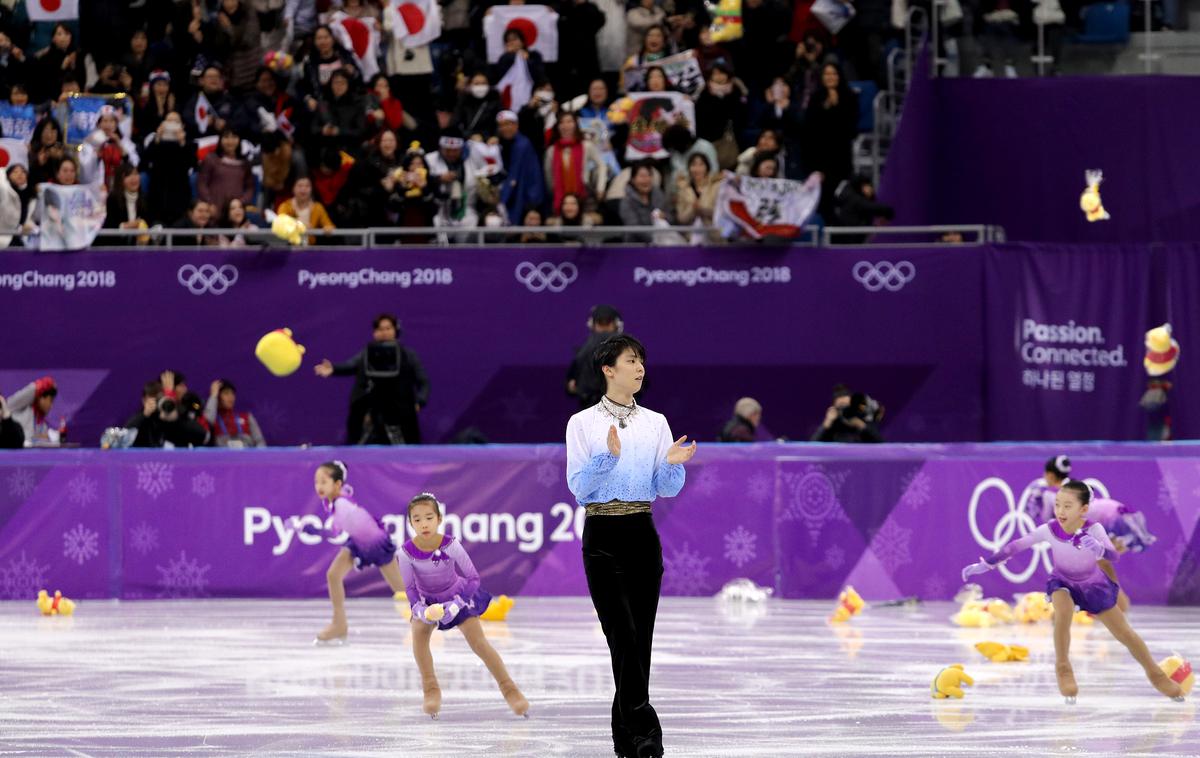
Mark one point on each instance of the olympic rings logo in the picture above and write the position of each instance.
(207, 278)
(546, 276)
(884, 275)
(1014, 523)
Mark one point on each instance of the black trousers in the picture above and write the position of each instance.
(622, 557)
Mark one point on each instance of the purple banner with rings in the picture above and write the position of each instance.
(893, 520)
(496, 329)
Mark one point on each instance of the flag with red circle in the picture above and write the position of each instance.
(414, 22)
(360, 37)
(538, 24)
(13, 152)
(52, 10)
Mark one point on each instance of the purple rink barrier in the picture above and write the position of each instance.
(893, 520)
(960, 344)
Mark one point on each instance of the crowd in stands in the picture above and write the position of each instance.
(233, 108)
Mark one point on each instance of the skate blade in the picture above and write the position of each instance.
(1179, 699)
(332, 642)
(1069, 699)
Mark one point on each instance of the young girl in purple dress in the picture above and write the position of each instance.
(1076, 546)
(443, 590)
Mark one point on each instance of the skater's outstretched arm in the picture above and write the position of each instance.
(1041, 534)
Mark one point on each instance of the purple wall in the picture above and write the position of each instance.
(893, 520)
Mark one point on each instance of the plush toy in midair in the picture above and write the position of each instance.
(1000, 653)
(288, 229)
(1089, 201)
(498, 609)
(54, 606)
(1162, 351)
(726, 20)
(1033, 607)
(850, 604)
(1179, 670)
(279, 352)
(949, 682)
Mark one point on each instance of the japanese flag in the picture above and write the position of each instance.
(360, 36)
(52, 10)
(204, 146)
(516, 86)
(12, 152)
(204, 113)
(414, 22)
(538, 24)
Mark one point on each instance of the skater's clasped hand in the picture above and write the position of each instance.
(980, 567)
(680, 453)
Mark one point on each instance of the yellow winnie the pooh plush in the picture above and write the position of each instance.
(949, 682)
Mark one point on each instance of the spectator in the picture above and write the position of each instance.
(275, 118)
(169, 159)
(224, 173)
(709, 53)
(340, 121)
(18, 179)
(571, 213)
(764, 50)
(412, 198)
(596, 126)
(721, 114)
(137, 62)
(524, 187)
(233, 216)
(111, 79)
(30, 408)
(12, 436)
(160, 102)
(514, 47)
(14, 66)
(198, 217)
(1002, 20)
(855, 205)
(211, 110)
(325, 57)
(696, 192)
(804, 76)
(783, 115)
(656, 81)
(644, 203)
(454, 182)
(654, 48)
(46, 150)
(303, 207)
(584, 379)
(747, 415)
(410, 70)
(612, 39)
(160, 423)
(112, 147)
(765, 166)
(238, 42)
(383, 110)
(331, 180)
(850, 418)
(126, 205)
(478, 107)
(374, 176)
(768, 142)
(390, 388)
(830, 125)
(682, 146)
(536, 119)
(639, 20)
(573, 165)
(615, 195)
(60, 59)
(226, 426)
(191, 407)
(579, 23)
(532, 219)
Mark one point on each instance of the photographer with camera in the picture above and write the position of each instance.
(163, 420)
(390, 388)
(852, 417)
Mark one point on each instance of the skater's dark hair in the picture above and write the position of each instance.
(425, 498)
(335, 469)
(611, 349)
(1059, 465)
(1081, 490)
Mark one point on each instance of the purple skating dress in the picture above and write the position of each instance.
(370, 542)
(445, 575)
(1075, 569)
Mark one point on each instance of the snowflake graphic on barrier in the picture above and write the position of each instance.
(182, 577)
(739, 546)
(934, 588)
(83, 490)
(707, 482)
(760, 487)
(21, 483)
(203, 485)
(80, 544)
(918, 490)
(22, 578)
(890, 545)
(685, 572)
(548, 473)
(143, 538)
(835, 557)
(155, 478)
(812, 498)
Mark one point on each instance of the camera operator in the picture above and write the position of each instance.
(584, 380)
(390, 388)
(852, 417)
(162, 421)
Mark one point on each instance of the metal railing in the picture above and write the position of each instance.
(656, 236)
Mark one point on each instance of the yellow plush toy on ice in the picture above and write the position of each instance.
(288, 229)
(498, 609)
(1162, 351)
(726, 20)
(997, 652)
(1089, 201)
(949, 682)
(983, 613)
(1179, 670)
(54, 606)
(279, 352)
(850, 604)
(1033, 607)
(1083, 617)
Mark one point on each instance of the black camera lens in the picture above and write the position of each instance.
(167, 406)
